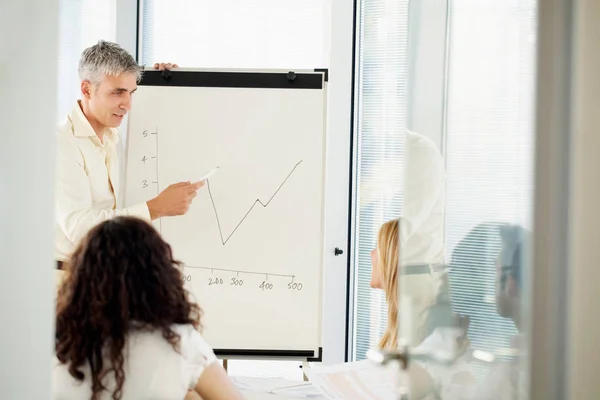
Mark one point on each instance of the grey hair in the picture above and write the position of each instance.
(106, 58)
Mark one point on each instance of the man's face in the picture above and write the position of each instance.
(110, 100)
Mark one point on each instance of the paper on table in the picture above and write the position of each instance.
(361, 380)
(258, 384)
(305, 390)
(276, 386)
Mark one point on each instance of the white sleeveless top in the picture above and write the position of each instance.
(153, 369)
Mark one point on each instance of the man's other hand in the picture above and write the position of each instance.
(163, 66)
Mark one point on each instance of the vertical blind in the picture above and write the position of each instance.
(381, 109)
(81, 24)
(490, 150)
(268, 34)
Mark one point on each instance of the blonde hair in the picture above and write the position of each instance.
(388, 264)
(426, 293)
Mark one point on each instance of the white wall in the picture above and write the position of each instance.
(584, 263)
(28, 57)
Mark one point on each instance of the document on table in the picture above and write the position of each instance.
(361, 380)
(277, 386)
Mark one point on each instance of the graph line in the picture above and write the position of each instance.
(257, 201)
(242, 272)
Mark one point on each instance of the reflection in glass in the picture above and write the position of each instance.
(488, 158)
(457, 201)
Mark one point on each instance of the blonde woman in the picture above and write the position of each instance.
(432, 328)
(421, 286)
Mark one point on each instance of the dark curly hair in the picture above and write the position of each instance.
(121, 277)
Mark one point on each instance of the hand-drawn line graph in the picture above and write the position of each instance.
(224, 240)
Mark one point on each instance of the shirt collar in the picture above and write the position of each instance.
(83, 128)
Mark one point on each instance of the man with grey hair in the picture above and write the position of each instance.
(87, 182)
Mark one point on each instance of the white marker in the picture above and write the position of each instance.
(209, 174)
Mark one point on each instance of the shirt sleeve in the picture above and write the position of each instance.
(73, 204)
(197, 353)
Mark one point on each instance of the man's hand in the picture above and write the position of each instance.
(174, 200)
(163, 66)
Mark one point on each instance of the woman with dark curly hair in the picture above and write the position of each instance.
(125, 327)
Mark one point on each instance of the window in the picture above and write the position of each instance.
(381, 110)
(490, 150)
(236, 33)
(268, 34)
(81, 24)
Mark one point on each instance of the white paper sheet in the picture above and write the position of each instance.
(285, 387)
(361, 380)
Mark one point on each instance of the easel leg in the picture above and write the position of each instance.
(304, 368)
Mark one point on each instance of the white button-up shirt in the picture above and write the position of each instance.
(154, 370)
(87, 182)
(422, 225)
